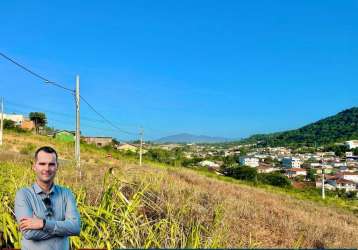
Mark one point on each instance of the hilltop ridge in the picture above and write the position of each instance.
(337, 128)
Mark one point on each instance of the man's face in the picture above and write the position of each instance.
(45, 167)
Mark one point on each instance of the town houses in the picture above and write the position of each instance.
(340, 172)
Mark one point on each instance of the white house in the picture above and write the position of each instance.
(349, 154)
(352, 144)
(340, 183)
(18, 119)
(349, 176)
(291, 162)
(127, 147)
(249, 161)
(209, 164)
(293, 172)
(266, 169)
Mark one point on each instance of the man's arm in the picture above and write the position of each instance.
(23, 210)
(71, 225)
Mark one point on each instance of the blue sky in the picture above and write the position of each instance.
(220, 68)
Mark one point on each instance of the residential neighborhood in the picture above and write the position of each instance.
(307, 168)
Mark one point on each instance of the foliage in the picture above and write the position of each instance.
(191, 162)
(242, 173)
(39, 119)
(338, 128)
(9, 124)
(311, 174)
(274, 179)
(355, 151)
(124, 216)
(29, 148)
(339, 150)
(172, 157)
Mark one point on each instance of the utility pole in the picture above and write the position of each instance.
(2, 120)
(141, 146)
(78, 135)
(323, 191)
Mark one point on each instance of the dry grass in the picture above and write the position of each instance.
(207, 212)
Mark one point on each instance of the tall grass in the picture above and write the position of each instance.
(125, 215)
(126, 205)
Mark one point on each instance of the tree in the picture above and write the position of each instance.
(339, 150)
(311, 174)
(355, 151)
(244, 173)
(9, 124)
(274, 179)
(39, 119)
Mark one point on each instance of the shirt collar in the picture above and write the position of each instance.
(38, 189)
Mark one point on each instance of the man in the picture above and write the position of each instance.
(46, 213)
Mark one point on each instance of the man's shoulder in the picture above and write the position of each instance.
(23, 191)
(64, 190)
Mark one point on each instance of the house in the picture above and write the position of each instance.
(209, 164)
(328, 169)
(127, 147)
(266, 168)
(249, 161)
(27, 125)
(170, 146)
(349, 154)
(17, 119)
(352, 144)
(21, 121)
(65, 135)
(348, 176)
(340, 183)
(100, 141)
(291, 162)
(293, 172)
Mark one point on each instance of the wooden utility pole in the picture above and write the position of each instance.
(323, 191)
(2, 120)
(78, 135)
(141, 147)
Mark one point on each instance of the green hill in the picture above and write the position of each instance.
(338, 128)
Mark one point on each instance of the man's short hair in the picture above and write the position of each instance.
(46, 149)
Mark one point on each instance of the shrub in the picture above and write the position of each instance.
(242, 173)
(28, 148)
(274, 179)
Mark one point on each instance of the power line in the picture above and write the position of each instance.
(28, 107)
(35, 74)
(65, 88)
(114, 131)
(105, 119)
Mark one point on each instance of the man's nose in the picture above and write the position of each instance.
(47, 166)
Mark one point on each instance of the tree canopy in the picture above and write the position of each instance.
(39, 119)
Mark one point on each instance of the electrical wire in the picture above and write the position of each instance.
(105, 119)
(65, 88)
(45, 80)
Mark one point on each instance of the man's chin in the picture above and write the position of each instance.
(46, 179)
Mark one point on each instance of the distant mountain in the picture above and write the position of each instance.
(189, 138)
(338, 128)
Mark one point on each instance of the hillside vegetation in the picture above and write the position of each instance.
(338, 128)
(126, 205)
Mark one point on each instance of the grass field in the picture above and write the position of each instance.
(126, 205)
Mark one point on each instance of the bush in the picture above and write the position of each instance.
(242, 173)
(274, 179)
(28, 148)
